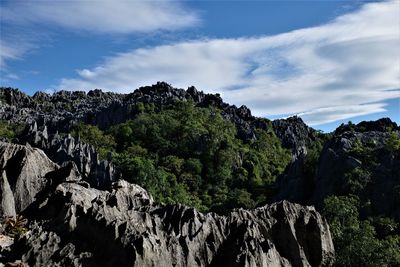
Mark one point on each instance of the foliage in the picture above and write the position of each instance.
(92, 135)
(356, 180)
(191, 155)
(11, 130)
(356, 242)
(393, 144)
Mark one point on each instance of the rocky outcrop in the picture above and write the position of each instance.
(295, 134)
(381, 125)
(74, 224)
(23, 175)
(60, 149)
(295, 185)
(355, 156)
(378, 172)
(124, 228)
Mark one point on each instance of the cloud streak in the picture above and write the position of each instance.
(334, 71)
(105, 16)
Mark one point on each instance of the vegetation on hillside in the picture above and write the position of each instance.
(10, 130)
(371, 242)
(362, 235)
(191, 155)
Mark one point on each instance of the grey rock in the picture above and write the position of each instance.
(337, 160)
(99, 173)
(7, 198)
(59, 111)
(295, 184)
(125, 228)
(79, 215)
(23, 171)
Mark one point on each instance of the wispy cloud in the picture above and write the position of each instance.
(8, 52)
(103, 16)
(329, 114)
(325, 73)
(26, 25)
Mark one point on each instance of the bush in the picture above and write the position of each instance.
(11, 130)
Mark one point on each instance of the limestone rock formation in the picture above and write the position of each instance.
(23, 175)
(74, 224)
(376, 168)
(294, 185)
(99, 173)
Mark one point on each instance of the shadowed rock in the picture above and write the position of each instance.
(23, 174)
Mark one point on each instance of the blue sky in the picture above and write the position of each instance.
(326, 61)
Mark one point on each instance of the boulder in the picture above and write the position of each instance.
(23, 172)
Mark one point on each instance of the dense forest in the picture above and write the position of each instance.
(191, 155)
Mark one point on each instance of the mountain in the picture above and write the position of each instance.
(173, 177)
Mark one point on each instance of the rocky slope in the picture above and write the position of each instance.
(23, 176)
(73, 224)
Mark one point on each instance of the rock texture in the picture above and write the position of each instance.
(23, 175)
(74, 224)
(295, 184)
(99, 173)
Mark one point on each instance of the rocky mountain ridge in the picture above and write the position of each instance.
(57, 111)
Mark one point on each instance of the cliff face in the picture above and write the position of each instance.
(73, 224)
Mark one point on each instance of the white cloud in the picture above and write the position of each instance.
(18, 20)
(103, 16)
(331, 114)
(10, 51)
(326, 73)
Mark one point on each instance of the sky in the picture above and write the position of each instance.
(326, 61)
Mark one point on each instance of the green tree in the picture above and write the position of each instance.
(356, 241)
(11, 130)
(91, 134)
(393, 144)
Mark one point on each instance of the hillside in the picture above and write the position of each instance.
(161, 172)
